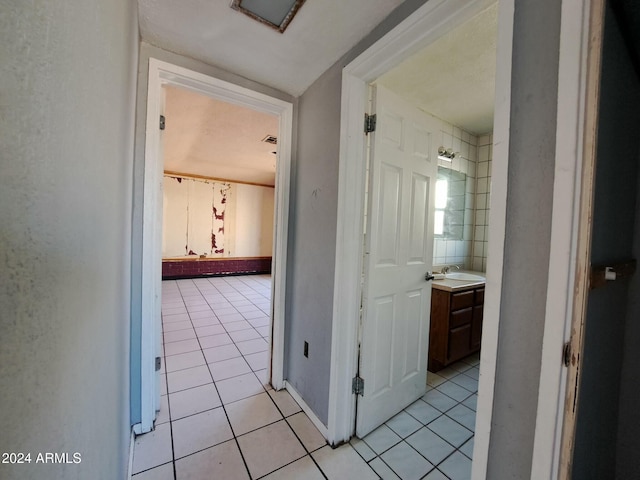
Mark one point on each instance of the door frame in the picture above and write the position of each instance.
(164, 73)
(424, 26)
(421, 28)
(581, 36)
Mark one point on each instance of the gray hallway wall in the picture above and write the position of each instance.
(313, 226)
(527, 247)
(67, 106)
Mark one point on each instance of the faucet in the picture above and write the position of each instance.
(447, 268)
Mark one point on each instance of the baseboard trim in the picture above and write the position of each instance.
(132, 440)
(305, 408)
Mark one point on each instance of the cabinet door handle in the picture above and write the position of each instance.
(429, 276)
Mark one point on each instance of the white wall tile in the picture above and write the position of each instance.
(447, 140)
(472, 166)
(478, 264)
(483, 153)
(482, 185)
(447, 252)
(464, 149)
(481, 201)
(478, 249)
(464, 166)
(483, 169)
(468, 232)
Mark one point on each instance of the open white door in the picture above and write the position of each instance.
(398, 255)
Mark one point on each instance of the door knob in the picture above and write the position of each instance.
(429, 276)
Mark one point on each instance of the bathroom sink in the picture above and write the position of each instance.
(464, 276)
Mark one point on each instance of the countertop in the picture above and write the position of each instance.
(454, 285)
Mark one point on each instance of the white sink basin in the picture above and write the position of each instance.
(464, 276)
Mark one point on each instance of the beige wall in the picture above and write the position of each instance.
(246, 229)
(253, 230)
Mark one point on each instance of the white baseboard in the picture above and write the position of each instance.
(132, 441)
(137, 429)
(305, 408)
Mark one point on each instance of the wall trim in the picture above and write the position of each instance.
(495, 247)
(578, 84)
(163, 73)
(194, 267)
(306, 409)
(132, 441)
(171, 173)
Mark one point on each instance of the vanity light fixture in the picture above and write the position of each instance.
(446, 154)
(276, 14)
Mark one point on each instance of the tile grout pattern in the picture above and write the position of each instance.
(220, 417)
(433, 437)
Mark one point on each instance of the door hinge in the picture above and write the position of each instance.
(369, 123)
(357, 385)
(162, 122)
(158, 363)
(566, 354)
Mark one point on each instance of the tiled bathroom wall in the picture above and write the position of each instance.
(475, 160)
(483, 193)
(459, 252)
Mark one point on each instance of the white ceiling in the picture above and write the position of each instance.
(454, 77)
(210, 31)
(208, 137)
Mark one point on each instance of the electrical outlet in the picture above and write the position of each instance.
(306, 349)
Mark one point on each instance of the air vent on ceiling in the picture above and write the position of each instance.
(270, 139)
(276, 14)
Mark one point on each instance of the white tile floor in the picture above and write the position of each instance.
(219, 418)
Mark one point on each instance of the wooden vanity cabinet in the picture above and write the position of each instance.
(456, 325)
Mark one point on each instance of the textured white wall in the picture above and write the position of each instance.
(188, 218)
(67, 97)
(175, 220)
(253, 221)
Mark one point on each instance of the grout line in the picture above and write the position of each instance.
(173, 452)
(235, 437)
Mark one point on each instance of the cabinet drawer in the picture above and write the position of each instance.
(476, 326)
(462, 300)
(480, 296)
(459, 341)
(461, 317)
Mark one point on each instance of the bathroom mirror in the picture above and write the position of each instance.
(451, 186)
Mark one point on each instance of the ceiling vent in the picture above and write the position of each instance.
(273, 13)
(270, 139)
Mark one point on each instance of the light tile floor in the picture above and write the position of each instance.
(219, 418)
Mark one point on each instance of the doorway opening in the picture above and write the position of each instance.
(435, 110)
(469, 252)
(428, 24)
(163, 75)
(217, 244)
